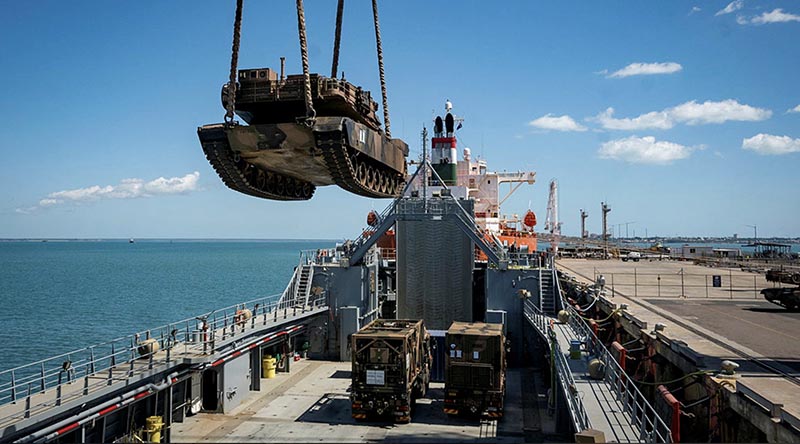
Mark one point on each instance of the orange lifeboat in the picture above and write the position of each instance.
(530, 219)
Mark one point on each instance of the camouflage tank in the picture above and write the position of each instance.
(279, 155)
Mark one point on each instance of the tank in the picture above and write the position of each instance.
(391, 367)
(281, 155)
(475, 369)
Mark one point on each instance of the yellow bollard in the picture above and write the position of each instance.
(268, 367)
(153, 425)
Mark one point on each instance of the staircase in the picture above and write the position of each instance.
(548, 292)
(302, 288)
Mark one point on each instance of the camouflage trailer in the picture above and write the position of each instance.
(475, 369)
(282, 155)
(391, 368)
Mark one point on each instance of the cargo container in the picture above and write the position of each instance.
(391, 369)
(475, 369)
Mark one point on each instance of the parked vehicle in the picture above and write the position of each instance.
(475, 369)
(391, 369)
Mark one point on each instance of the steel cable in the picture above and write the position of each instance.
(301, 29)
(337, 40)
(386, 125)
(237, 34)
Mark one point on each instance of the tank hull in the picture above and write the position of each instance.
(332, 151)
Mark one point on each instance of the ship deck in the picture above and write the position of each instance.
(311, 404)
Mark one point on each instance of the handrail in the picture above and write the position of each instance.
(80, 372)
(652, 427)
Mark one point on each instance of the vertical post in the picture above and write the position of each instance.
(658, 279)
(612, 285)
(13, 387)
(113, 356)
(730, 282)
(706, 279)
(91, 359)
(58, 394)
(44, 385)
(110, 376)
(28, 402)
(755, 288)
(86, 382)
(683, 288)
(133, 362)
(635, 283)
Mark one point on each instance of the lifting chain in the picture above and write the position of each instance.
(387, 130)
(311, 114)
(237, 34)
(337, 39)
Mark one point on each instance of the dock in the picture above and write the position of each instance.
(710, 315)
(312, 404)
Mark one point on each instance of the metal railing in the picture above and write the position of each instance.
(644, 417)
(575, 405)
(51, 382)
(652, 427)
(680, 284)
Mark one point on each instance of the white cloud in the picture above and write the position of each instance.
(127, 189)
(694, 9)
(767, 144)
(690, 113)
(644, 150)
(776, 16)
(641, 69)
(655, 119)
(733, 6)
(557, 123)
(694, 113)
(796, 109)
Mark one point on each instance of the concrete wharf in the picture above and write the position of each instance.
(706, 324)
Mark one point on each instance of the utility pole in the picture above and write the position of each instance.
(626, 227)
(606, 209)
(584, 215)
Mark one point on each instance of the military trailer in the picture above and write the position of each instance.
(391, 369)
(475, 369)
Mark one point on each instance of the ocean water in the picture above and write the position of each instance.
(59, 296)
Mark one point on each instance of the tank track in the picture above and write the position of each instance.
(242, 176)
(355, 172)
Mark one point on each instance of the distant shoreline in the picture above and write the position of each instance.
(158, 239)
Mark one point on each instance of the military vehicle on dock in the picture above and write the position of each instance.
(391, 361)
(788, 297)
(283, 154)
(475, 369)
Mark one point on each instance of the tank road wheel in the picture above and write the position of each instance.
(361, 173)
(307, 190)
(382, 182)
(280, 185)
(298, 189)
(290, 188)
(269, 184)
(261, 179)
(371, 178)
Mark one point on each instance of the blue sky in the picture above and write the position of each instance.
(101, 99)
